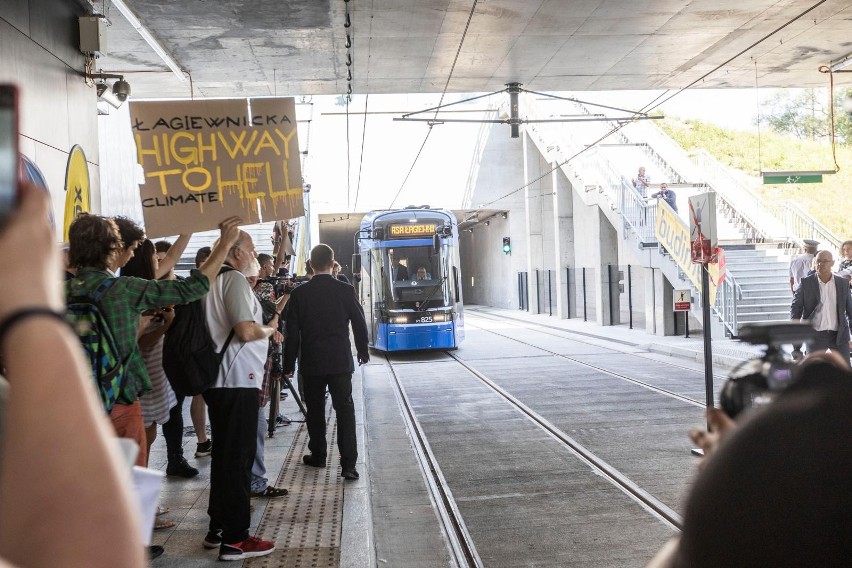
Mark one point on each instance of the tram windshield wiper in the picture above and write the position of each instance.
(439, 286)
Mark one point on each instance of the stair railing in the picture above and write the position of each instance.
(728, 295)
(592, 166)
(800, 225)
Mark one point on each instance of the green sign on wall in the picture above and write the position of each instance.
(810, 178)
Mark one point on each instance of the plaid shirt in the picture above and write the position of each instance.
(121, 306)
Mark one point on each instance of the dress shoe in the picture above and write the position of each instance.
(313, 461)
(350, 474)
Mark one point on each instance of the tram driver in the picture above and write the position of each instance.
(422, 274)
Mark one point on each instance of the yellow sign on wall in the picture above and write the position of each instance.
(673, 234)
(77, 189)
(207, 160)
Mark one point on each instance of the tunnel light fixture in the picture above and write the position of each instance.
(149, 39)
(841, 63)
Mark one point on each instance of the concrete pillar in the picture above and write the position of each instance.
(563, 238)
(650, 300)
(608, 298)
(532, 213)
(663, 304)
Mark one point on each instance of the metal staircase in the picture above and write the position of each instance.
(758, 239)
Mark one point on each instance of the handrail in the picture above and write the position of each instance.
(740, 197)
(637, 213)
(728, 295)
(802, 226)
(706, 170)
(593, 165)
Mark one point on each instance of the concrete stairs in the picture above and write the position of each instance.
(764, 278)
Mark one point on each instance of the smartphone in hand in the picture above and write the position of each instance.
(8, 151)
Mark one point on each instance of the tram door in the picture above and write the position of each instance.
(377, 277)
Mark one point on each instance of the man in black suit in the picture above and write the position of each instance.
(318, 317)
(824, 299)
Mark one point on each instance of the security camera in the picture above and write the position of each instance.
(121, 90)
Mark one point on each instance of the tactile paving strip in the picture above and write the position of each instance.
(306, 524)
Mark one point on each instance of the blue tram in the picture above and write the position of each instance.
(410, 283)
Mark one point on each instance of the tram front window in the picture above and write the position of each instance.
(417, 280)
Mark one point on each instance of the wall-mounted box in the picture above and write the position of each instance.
(93, 35)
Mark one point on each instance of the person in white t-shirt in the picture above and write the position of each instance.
(234, 316)
(802, 265)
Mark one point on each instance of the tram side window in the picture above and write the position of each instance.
(379, 282)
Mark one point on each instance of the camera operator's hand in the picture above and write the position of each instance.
(31, 275)
(721, 425)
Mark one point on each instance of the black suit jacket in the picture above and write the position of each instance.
(317, 321)
(807, 300)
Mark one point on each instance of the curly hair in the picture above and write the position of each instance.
(130, 232)
(93, 241)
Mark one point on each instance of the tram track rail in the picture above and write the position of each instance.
(460, 543)
(638, 382)
(459, 538)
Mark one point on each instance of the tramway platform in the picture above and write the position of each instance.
(524, 495)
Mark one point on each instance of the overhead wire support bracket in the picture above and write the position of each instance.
(514, 120)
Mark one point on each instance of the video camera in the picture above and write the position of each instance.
(286, 284)
(758, 381)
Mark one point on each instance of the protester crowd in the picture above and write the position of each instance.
(122, 298)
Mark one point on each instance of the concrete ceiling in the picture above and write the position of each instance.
(236, 48)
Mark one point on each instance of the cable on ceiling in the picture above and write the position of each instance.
(654, 104)
(440, 102)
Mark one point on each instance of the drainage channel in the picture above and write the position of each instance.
(642, 497)
(459, 541)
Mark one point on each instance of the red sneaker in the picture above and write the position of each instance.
(249, 548)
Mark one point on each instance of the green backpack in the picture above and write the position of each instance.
(84, 314)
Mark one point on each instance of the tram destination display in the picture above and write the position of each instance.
(409, 230)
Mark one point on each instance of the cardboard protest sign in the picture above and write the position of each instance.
(210, 159)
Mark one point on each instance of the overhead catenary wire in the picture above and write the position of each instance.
(654, 104)
(361, 161)
(440, 102)
(348, 158)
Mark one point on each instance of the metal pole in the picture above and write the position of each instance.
(537, 293)
(686, 323)
(568, 291)
(630, 296)
(549, 293)
(520, 292)
(585, 313)
(708, 347)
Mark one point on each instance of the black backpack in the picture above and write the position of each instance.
(190, 359)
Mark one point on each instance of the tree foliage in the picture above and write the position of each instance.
(805, 114)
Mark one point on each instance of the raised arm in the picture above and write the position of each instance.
(173, 256)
